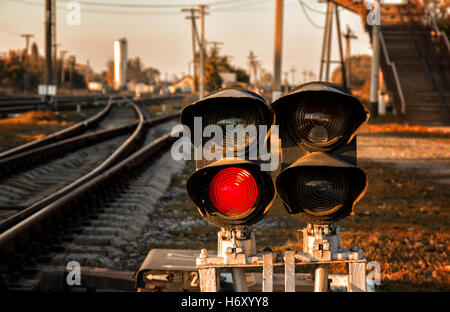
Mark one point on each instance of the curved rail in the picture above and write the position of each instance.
(121, 169)
(23, 214)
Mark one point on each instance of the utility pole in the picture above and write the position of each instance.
(374, 76)
(338, 31)
(349, 35)
(63, 76)
(326, 42)
(193, 17)
(27, 41)
(72, 63)
(87, 73)
(276, 89)
(253, 68)
(48, 42)
(305, 74)
(55, 63)
(215, 44)
(202, 12)
(286, 82)
(293, 70)
(27, 44)
(54, 44)
(330, 32)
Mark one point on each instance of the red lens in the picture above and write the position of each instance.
(233, 191)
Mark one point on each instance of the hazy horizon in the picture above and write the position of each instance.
(162, 37)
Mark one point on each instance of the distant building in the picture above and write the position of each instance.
(120, 64)
(185, 85)
(141, 88)
(95, 86)
(228, 78)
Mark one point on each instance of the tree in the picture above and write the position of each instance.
(360, 76)
(360, 71)
(215, 64)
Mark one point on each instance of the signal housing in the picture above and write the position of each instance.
(227, 107)
(319, 182)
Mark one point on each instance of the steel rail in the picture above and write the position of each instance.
(123, 168)
(18, 161)
(62, 134)
(23, 214)
(71, 142)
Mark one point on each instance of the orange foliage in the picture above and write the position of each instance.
(31, 137)
(34, 117)
(396, 128)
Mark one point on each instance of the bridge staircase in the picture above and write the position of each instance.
(414, 59)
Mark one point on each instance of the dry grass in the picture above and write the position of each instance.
(406, 130)
(34, 125)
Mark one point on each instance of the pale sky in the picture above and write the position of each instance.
(161, 37)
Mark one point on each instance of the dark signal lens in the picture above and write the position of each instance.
(321, 192)
(233, 120)
(320, 122)
(233, 191)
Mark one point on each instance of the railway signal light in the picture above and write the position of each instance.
(228, 186)
(319, 181)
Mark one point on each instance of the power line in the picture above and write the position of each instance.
(238, 5)
(147, 7)
(308, 17)
(8, 29)
(155, 6)
(311, 8)
(102, 11)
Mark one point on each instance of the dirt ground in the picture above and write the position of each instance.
(429, 155)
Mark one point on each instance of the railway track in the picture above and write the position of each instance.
(36, 211)
(73, 130)
(64, 102)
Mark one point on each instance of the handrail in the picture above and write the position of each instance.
(427, 68)
(390, 64)
(440, 34)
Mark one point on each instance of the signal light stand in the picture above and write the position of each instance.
(322, 247)
(236, 251)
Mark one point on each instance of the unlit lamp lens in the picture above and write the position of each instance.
(321, 191)
(234, 122)
(320, 123)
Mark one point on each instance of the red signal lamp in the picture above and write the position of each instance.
(233, 191)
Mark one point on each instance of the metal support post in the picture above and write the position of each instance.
(357, 277)
(374, 77)
(239, 281)
(267, 279)
(341, 54)
(289, 271)
(321, 278)
(276, 89)
(202, 50)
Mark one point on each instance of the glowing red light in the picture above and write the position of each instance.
(233, 191)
